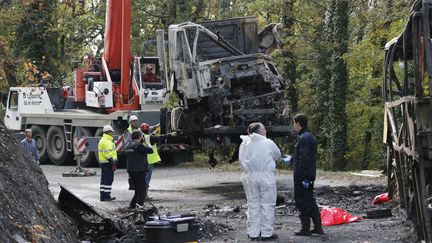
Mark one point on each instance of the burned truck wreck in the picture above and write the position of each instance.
(225, 79)
(407, 90)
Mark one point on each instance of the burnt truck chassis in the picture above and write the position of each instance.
(223, 84)
(407, 90)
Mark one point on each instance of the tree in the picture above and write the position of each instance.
(36, 35)
(9, 17)
(289, 58)
(313, 45)
(338, 85)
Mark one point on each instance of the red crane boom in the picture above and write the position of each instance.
(117, 49)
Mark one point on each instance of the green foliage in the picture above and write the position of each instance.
(80, 33)
(36, 35)
(364, 107)
(289, 62)
(371, 25)
(9, 17)
(338, 86)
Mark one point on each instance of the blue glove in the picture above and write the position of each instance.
(306, 184)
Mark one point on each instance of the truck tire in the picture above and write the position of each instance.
(88, 158)
(165, 121)
(98, 133)
(56, 146)
(39, 135)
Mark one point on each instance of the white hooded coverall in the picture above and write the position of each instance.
(257, 156)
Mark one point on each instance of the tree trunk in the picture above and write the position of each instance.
(338, 86)
(199, 8)
(172, 10)
(290, 60)
(320, 84)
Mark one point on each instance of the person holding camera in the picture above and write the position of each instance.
(137, 167)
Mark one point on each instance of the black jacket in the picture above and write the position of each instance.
(136, 154)
(158, 138)
(305, 156)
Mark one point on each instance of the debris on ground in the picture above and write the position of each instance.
(93, 225)
(336, 216)
(28, 212)
(209, 229)
(380, 199)
(356, 199)
(80, 172)
(376, 213)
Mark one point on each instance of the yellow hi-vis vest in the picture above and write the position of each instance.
(106, 149)
(154, 157)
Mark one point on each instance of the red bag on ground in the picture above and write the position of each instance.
(382, 198)
(335, 216)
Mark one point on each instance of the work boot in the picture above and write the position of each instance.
(305, 230)
(254, 238)
(108, 199)
(272, 237)
(316, 219)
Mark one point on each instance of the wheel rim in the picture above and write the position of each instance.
(58, 144)
(39, 142)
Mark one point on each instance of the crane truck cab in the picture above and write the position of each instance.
(26, 100)
(153, 92)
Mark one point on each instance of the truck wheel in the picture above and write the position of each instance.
(98, 133)
(40, 139)
(165, 121)
(56, 146)
(88, 158)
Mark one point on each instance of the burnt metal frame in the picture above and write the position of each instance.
(256, 65)
(408, 122)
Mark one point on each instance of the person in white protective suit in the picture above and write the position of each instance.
(257, 156)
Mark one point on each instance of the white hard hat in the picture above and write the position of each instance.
(133, 118)
(108, 128)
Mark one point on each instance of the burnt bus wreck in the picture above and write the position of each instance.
(407, 90)
(225, 79)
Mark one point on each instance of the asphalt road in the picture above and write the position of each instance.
(186, 190)
(171, 187)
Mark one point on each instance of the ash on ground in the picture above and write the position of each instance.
(28, 212)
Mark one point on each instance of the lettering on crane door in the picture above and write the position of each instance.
(32, 99)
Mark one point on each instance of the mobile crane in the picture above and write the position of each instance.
(107, 91)
(220, 70)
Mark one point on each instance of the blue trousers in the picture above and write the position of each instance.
(107, 178)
